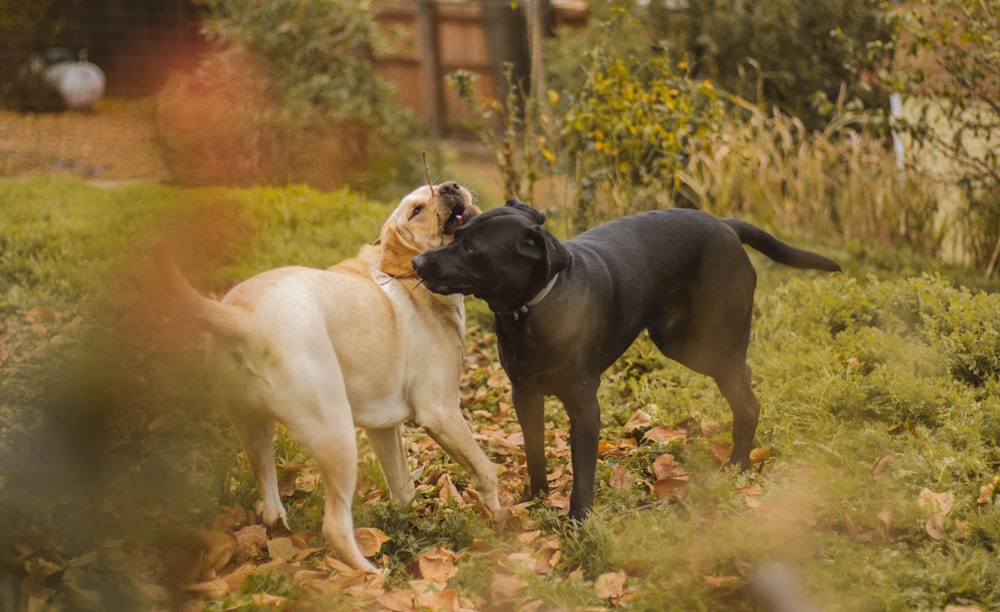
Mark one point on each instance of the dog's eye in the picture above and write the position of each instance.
(416, 210)
(468, 249)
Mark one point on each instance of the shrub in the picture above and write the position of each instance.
(289, 95)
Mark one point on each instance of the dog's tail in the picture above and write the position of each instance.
(758, 239)
(220, 319)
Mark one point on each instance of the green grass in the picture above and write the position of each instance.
(896, 354)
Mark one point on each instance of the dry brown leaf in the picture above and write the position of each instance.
(437, 565)
(527, 537)
(638, 420)
(445, 599)
(398, 601)
(559, 500)
(620, 478)
(759, 456)
(665, 487)
(755, 489)
(722, 451)
(882, 463)
(236, 578)
(724, 583)
(503, 588)
(448, 489)
(610, 586)
(710, 428)
(665, 433)
(987, 491)
(249, 541)
(209, 589)
(935, 527)
(939, 503)
(548, 557)
(281, 549)
(663, 466)
(498, 379)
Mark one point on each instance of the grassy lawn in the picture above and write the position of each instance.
(124, 488)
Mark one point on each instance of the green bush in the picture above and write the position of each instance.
(289, 95)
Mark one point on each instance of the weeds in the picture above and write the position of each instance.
(880, 422)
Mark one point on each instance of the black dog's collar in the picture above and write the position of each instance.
(535, 301)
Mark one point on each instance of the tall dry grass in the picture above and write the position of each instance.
(838, 185)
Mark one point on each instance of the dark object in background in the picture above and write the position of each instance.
(58, 80)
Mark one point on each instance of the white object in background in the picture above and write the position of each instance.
(80, 83)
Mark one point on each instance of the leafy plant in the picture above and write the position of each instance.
(291, 95)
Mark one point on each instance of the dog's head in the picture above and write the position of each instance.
(502, 256)
(424, 219)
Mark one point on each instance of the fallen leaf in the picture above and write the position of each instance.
(665, 487)
(663, 466)
(939, 503)
(249, 541)
(448, 489)
(722, 451)
(987, 491)
(882, 463)
(665, 433)
(710, 428)
(759, 456)
(445, 599)
(724, 583)
(281, 549)
(638, 420)
(610, 585)
(935, 527)
(620, 478)
(437, 565)
(548, 556)
(398, 601)
(503, 588)
(209, 589)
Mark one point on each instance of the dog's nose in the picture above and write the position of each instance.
(449, 189)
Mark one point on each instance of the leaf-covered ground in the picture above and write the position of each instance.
(874, 485)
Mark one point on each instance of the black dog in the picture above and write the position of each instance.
(566, 311)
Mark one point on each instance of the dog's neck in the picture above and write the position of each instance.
(535, 301)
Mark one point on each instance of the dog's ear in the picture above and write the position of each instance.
(397, 253)
(536, 215)
(538, 243)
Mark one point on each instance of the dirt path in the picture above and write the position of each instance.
(116, 142)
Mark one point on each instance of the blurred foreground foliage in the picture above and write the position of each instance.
(123, 487)
(289, 94)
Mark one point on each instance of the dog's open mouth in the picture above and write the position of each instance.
(459, 215)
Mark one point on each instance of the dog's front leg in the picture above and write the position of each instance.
(530, 409)
(584, 433)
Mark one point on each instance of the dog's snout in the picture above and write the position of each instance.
(450, 189)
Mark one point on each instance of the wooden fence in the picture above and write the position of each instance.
(429, 40)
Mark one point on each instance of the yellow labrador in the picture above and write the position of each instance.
(360, 344)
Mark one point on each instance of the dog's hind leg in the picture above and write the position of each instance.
(388, 446)
(735, 387)
(322, 421)
(257, 436)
